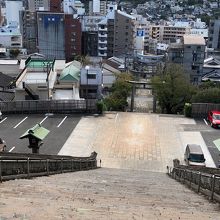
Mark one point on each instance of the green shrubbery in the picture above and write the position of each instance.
(117, 100)
(101, 107)
(187, 109)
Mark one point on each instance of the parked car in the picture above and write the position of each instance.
(2, 145)
(194, 156)
(214, 118)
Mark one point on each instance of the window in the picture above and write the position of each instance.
(91, 76)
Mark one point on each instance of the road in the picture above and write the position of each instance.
(60, 127)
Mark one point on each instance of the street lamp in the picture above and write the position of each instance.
(87, 72)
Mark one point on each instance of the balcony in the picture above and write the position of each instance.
(103, 29)
(102, 35)
(102, 42)
(102, 48)
(102, 54)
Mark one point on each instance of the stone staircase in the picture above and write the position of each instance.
(104, 194)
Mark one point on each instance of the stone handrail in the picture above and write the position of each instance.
(201, 182)
(15, 166)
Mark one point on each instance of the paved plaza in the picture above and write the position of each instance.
(134, 140)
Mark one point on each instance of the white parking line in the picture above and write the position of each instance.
(43, 120)
(62, 121)
(3, 120)
(205, 121)
(11, 149)
(20, 122)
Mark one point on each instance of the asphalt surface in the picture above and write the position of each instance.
(60, 127)
(209, 135)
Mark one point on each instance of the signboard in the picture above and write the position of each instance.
(140, 33)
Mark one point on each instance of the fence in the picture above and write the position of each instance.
(15, 166)
(207, 184)
(200, 110)
(51, 106)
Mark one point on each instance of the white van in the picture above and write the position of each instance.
(194, 156)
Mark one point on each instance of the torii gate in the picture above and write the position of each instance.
(147, 85)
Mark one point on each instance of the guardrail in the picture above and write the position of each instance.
(207, 184)
(15, 166)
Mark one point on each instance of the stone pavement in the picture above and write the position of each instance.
(133, 140)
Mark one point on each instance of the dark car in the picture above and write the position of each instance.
(214, 118)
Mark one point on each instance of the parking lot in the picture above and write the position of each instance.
(211, 137)
(60, 127)
(126, 140)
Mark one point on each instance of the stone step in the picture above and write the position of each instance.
(104, 194)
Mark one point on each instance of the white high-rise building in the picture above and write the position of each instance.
(96, 6)
(12, 11)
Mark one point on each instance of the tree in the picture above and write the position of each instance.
(209, 95)
(14, 52)
(172, 88)
(117, 100)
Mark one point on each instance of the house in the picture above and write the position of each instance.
(190, 53)
(67, 86)
(211, 69)
(91, 82)
(36, 80)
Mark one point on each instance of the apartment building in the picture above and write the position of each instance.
(214, 34)
(190, 53)
(73, 35)
(98, 7)
(90, 34)
(168, 33)
(102, 38)
(124, 34)
(28, 28)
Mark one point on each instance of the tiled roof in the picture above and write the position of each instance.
(70, 73)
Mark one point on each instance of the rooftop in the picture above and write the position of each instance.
(39, 63)
(193, 40)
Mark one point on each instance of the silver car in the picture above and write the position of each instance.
(194, 156)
